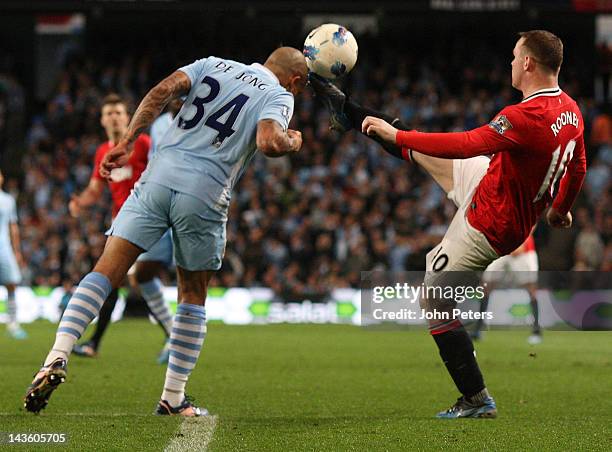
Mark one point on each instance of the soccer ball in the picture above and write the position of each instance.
(330, 51)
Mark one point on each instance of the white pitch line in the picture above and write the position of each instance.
(194, 433)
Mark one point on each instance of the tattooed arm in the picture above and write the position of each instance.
(154, 102)
(273, 141)
(173, 86)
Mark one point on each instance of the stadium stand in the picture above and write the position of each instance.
(312, 222)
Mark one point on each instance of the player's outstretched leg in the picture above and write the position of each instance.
(83, 307)
(346, 115)
(89, 349)
(457, 352)
(334, 100)
(186, 340)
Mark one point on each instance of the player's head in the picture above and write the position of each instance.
(289, 65)
(537, 54)
(1, 178)
(114, 115)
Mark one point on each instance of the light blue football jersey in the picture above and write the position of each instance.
(158, 129)
(8, 215)
(213, 137)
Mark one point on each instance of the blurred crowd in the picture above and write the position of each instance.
(304, 224)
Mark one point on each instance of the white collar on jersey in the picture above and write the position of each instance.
(544, 92)
(272, 74)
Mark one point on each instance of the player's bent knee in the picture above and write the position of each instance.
(117, 258)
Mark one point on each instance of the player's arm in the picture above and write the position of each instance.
(559, 214)
(87, 197)
(173, 86)
(274, 137)
(273, 141)
(455, 145)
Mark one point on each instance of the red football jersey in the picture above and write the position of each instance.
(535, 144)
(527, 246)
(123, 179)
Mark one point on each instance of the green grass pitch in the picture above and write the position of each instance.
(321, 387)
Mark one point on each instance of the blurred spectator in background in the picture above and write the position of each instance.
(589, 246)
(601, 129)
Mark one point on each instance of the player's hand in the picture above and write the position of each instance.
(115, 158)
(372, 126)
(74, 206)
(555, 219)
(295, 137)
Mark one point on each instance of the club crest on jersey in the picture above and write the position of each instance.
(500, 124)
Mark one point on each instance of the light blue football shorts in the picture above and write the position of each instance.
(198, 237)
(160, 252)
(9, 270)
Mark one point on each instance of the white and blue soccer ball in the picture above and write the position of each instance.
(330, 51)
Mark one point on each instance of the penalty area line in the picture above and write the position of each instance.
(194, 433)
